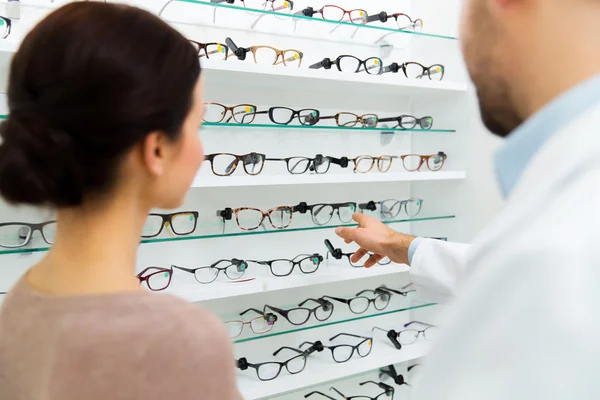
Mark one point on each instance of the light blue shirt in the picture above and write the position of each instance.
(522, 144)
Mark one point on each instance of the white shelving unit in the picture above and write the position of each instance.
(445, 193)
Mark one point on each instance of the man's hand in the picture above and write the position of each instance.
(377, 238)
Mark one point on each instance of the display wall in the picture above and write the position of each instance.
(454, 200)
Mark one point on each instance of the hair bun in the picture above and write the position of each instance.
(31, 173)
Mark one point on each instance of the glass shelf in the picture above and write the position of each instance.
(26, 250)
(213, 125)
(373, 27)
(250, 339)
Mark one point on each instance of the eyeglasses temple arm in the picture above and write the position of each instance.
(315, 392)
(418, 322)
(366, 291)
(311, 299)
(287, 348)
(338, 392)
(254, 310)
(349, 335)
(336, 299)
(165, 6)
(191, 271)
(412, 366)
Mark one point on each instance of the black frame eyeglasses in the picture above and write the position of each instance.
(322, 213)
(180, 223)
(225, 164)
(388, 391)
(258, 325)
(415, 70)
(338, 255)
(348, 63)
(234, 269)
(403, 21)
(6, 27)
(299, 165)
(268, 371)
(307, 263)
(360, 304)
(408, 122)
(300, 315)
(390, 208)
(344, 352)
(285, 115)
(18, 234)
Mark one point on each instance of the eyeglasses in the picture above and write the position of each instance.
(417, 71)
(233, 269)
(410, 122)
(349, 119)
(285, 115)
(156, 278)
(5, 26)
(360, 303)
(180, 223)
(225, 164)
(261, 324)
(403, 21)
(346, 63)
(18, 234)
(335, 13)
(300, 315)
(364, 164)
(322, 213)
(388, 391)
(299, 165)
(249, 219)
(391, 208)
(240, 113)
(267, 55)
(414, 162)
(343, 352)
(409, 336)
(270, 370)
(210, 49)
(308, 264)
(338, 254)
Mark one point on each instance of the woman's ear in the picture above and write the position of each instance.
(153, 150)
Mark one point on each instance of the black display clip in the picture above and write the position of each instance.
(382, 17)
(226, 214)
(302, 208)
(307, 12)
(242, 363)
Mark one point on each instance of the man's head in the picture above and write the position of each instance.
(523, 53)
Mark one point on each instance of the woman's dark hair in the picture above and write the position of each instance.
(88, 83)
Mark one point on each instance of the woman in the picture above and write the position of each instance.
(105, 104)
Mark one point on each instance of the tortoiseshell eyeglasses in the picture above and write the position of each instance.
(266, 54)
(215, 50)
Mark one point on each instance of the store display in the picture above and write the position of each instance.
(403, 21)
(18, 234)
(390, 208)
(350, 120)
(410, 122)
(417, 71)
(360, 304)
(338, 254)
(344, 352)
(208, 49)
(156, 278)
(347, 63)
(268, 371)
(180, 223)
(336, 13)
(388, 391)
(261, 324)
(307, 264)
(234, 269)
(300, 315)
(5, 27)
(266, 54)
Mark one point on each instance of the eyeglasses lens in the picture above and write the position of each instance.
(374, 66)
(408, 336)
(308, 117)
(224, 164)
(261, 324)
(436, 72)
(426, 122)
(364, 349)
(369, 121)
(382, 301)
(281, 217)
(296, 364)
(310, 264)
(333, 13)
(345, 212)
(48, 232)
(358, 16)
(298, 316)
(268, 371)
(281, 267)
(235, 271)
(4, 32)
(281, 115)
(342, 353)
(265, 55)
(413, 207)
(364, 164)
(349, 64)
(151, 227)
(321, 164)
(234, 328)
(322, 214)
(159, 280)
(216, 51)
(435, 162)
(347, 119)
(292, 58)
(253, 163)
(403, 21)
(431, 333)
(324, 312)
(359, 305)
(183, 224)
(206, 274)
(384, 163)
(249, 219)
(390, 208)
(408, 122)
(281, 6)
(412, 162)
(244, 114)
(213, 113)
(298, 165)
(414, 70)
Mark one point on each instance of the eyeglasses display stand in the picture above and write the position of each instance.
(309, 146)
